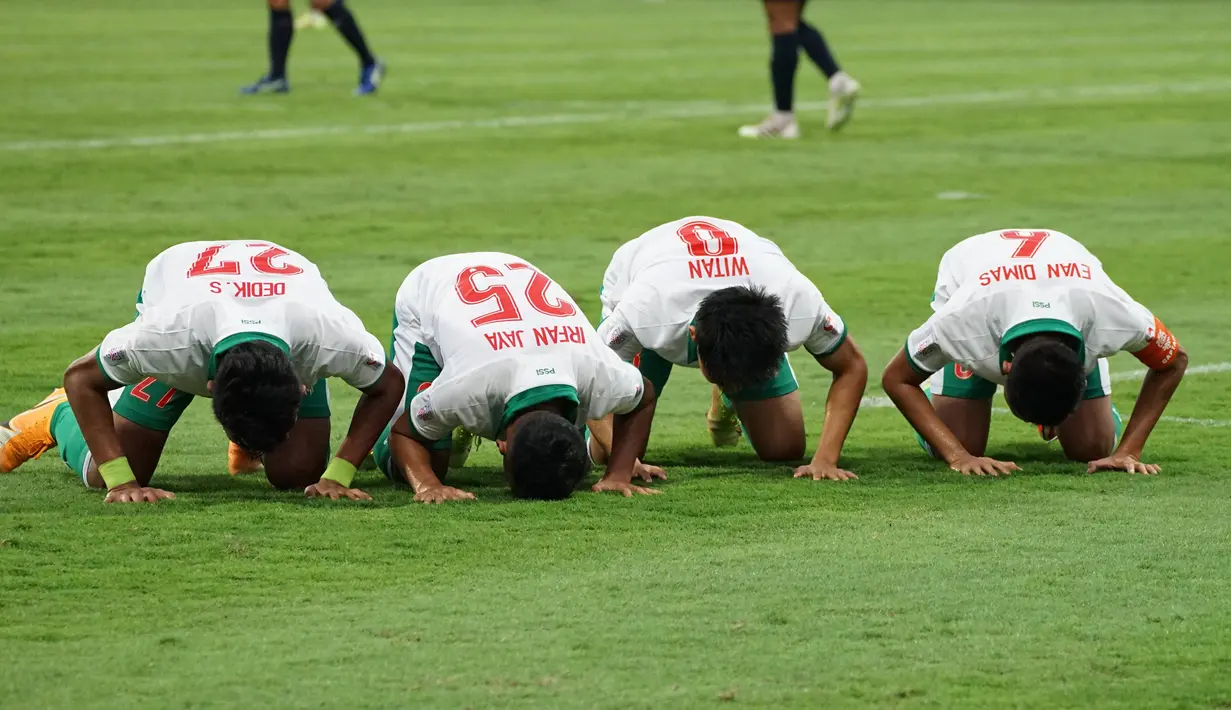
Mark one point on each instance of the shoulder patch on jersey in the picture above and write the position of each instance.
(116, 355)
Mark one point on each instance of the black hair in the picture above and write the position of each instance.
(256, 395)
(741, 336)
(546, 457)
(1046, 381)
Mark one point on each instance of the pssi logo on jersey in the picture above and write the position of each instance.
(116, 355)
(423, 387)
(545, 371)
(829, 326)
(963, 372)
(1040, 304)
(617, 338)
(424, 413)
(373, 362)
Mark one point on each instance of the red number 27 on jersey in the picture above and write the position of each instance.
(262, 262)
(507, 309)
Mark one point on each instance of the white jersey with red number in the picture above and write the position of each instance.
(499, 329)
(198, 294)
(995, 287)
(656, 282)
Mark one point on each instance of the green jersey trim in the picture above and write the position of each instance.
(522, 401)
(692, 342)
(1038, 325)
(423, 371)
(834, 349)
(232, 340)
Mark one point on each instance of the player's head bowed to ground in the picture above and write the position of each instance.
(495, 348)
(256, 395)
(250, 324)
(741, 335)
(709, 293)
(1032, 310)
(545, 456)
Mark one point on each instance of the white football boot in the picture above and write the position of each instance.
(779, 124)
(843, 91)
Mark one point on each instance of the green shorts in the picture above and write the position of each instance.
(153, 405)
(959, 382)
(781, 384)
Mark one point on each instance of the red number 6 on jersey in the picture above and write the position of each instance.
(705, 239)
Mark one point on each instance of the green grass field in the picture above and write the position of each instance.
(558, 130)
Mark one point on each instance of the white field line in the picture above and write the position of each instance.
(629, 112)
(882, 402)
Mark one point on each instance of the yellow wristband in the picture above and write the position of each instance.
(116, 472)
(340, 471)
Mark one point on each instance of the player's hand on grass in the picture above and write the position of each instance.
(1123, 462)
(328, 488)
(624, 488)
(648, 473)
(136, 493)
(824, 472)
(440, 494)
(983, 466)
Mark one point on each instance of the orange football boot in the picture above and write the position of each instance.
(28, 435)
(240, 462)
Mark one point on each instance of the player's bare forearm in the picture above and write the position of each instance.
(87, 388)
(903, 385)
(630, 433)
(850, 380)
(372, 413)
(600, 439)
(1156, 392)
(412, 457)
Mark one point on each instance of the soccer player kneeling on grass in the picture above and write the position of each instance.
(708, 293)
(494, 347)
(1031, 310)
(251, 325)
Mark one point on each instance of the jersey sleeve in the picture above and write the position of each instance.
(436, 410)
(923, 350)
(612, 387)
(120, 355)
(351, 353)
(828, 331)
(617, 333)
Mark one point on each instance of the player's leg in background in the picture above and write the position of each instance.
(963, 401)
(1090, 433)
(300, 460)
(371, 70)
(783, 17)
(771, 414)
(775, 426)
(144, 415)
(843, 90)
(281, 32)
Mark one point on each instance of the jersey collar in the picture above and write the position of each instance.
(522, 401)
(235, 339)
(1038, 325)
